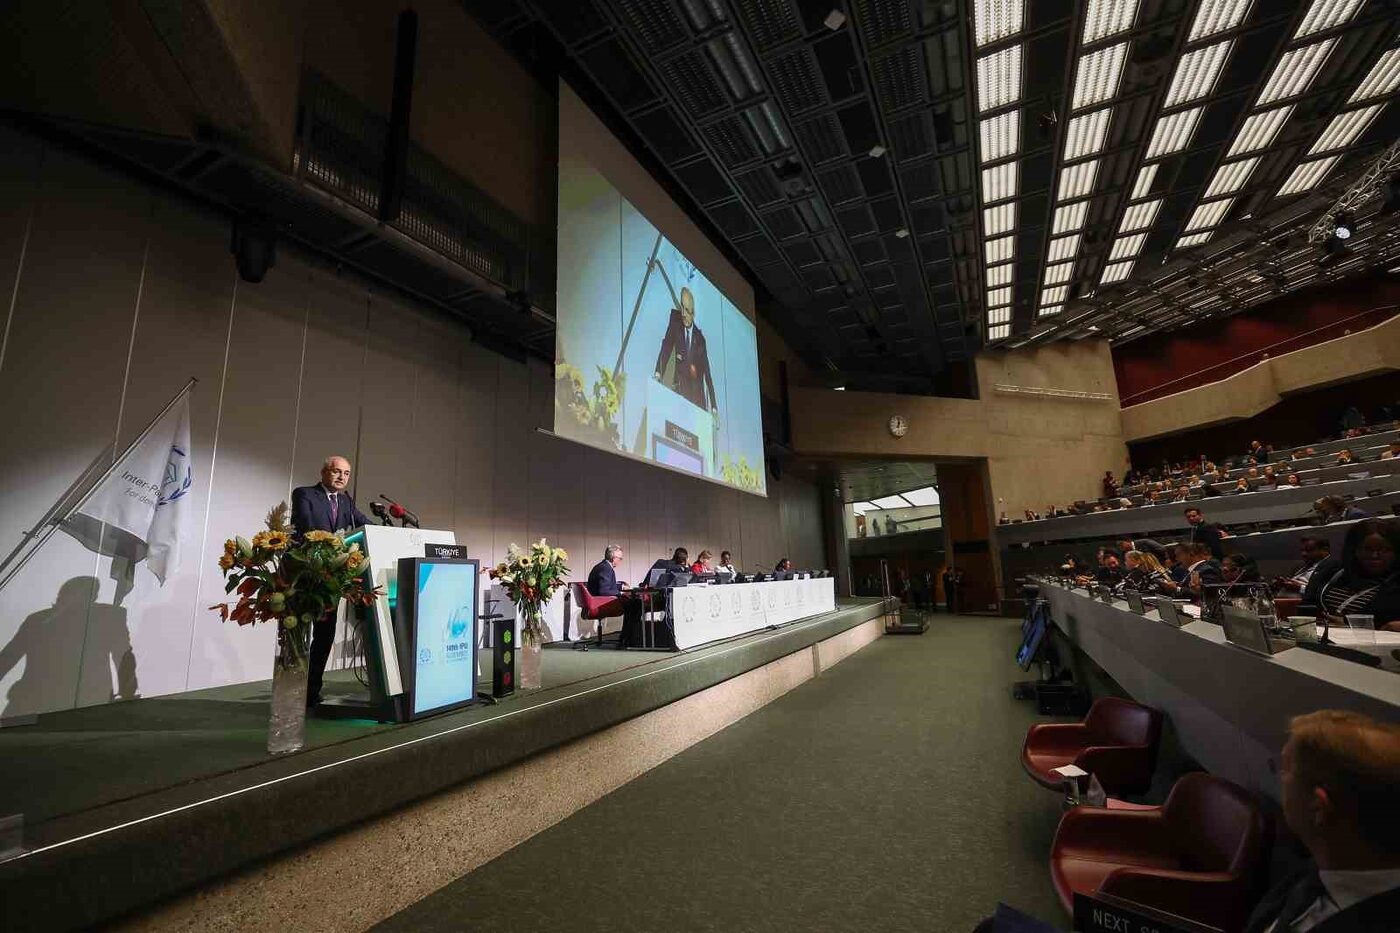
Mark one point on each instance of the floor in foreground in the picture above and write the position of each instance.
(885, 794)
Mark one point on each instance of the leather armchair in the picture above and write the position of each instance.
(1117, 742)
(596, 608)
(1201, 855)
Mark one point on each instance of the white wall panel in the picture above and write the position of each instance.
(317, 364)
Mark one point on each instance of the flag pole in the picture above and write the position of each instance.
(33, 539)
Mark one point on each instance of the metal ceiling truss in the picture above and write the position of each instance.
(841, 158)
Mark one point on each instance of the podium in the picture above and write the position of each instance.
(386, 699)
(677, 432)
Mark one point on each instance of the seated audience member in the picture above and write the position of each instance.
(726, 563)
(1258, 452)
(1110, 570)
(1339, 771)
(1337, 509)
(702, 562)
(1031, 516)
(1175, 568)
(1291, 481)
(1345, 457)
(1125, 503)
(1392, 451)
(1183, 493)
(1146, 574)
(1240, 568)
(1270, 478)
(1242, 485)
(1201, 568)
(1317, 557)
(1368, 580)
(1253, 475)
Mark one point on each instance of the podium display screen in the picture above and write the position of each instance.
(652, 359)
(443, 630)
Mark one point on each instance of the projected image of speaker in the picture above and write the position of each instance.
(502, 657)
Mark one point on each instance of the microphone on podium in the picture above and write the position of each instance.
(406, 517)
(381, 512)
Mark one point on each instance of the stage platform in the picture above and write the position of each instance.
(130, 803)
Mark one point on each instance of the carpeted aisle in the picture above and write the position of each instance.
(886, 794)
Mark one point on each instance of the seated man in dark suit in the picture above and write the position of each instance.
(603, 582)
(1339, 781)
(324, 507)
(1201, 568)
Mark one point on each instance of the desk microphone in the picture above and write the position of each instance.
(401, 513)
(381, 511)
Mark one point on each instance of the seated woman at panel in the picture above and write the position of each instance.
(1146, 574)
(702, 563)
(1368, 582)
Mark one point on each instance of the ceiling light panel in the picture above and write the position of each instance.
(1196, 74)
(1209, 214)
(1063, 248)
(1194, 239)
(998, 220)
(1344, 128)
(998, 297)
(1076, 181)
(1381, 80)
(1327, 14)
(1097, 76)
(1115, 272)
(1307, 175)
(1000, 249)
(998, 183)
(1143, 184)
(1216, 16)
(1139, 216)
(1054, 296)
(1069, 217)
(999, 332)
(999, 316)
(998, 276)
(1059, 273)
(1230, 177)
(1106, 18)
(1000, 136)
(1049, 310)
(999, 78)
(1259, 130)
(1086, 135)
(1172, 133)
(1295, 71)
(1127, 247)
(997, 19)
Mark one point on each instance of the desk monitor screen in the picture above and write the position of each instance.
(1168, 612)
(1135, 601)
(441, 631)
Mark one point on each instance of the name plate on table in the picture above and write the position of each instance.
(445, 551)
(1103, 913)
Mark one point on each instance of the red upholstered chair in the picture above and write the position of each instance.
(1117, 742)
(596, 608)
(1201, 855)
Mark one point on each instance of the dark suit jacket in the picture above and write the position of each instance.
(1210, 572)
(1373, 915)
(1209, 535)
(602, 580)
(692, 378)
(311, 511)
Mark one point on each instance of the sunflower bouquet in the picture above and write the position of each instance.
(530, 577)
(290, 582)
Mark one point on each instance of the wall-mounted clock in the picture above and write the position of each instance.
(898, 426)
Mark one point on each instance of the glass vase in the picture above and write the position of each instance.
(286, 725)
(530, 649)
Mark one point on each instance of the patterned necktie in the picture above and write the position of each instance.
(335, 508)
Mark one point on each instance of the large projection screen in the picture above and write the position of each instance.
(653, 360)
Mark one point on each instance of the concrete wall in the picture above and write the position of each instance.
(1247, 393)
(121, 293)
(1038, 449)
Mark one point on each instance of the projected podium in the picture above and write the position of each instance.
(678, 432)
(386, 700)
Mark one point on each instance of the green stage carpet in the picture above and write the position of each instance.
(887, 794)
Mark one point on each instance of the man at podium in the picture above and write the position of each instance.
(684, 344)
(324, 507)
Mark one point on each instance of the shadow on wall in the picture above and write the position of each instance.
(69, 652)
